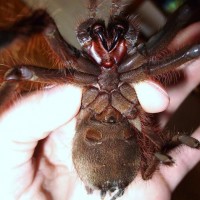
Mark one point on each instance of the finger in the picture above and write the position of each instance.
(153, 189)
(189, 35)
(34, 117)
(152, 97)
(185, 159)
(178, 93)
(58, 147)
(30, 120)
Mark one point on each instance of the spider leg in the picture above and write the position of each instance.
(68, 55)
(51, 76)
(153, 164)
(162, 157)
(162, 38)
(40, 21)
(133, 61)
(177, 21)
(103, 194)
(14, 77)
(159, 67)
(8, 91)
(174, 61)
(187, 140)
(24, 28)
(119, 193)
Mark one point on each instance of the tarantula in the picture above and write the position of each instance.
(115, 138)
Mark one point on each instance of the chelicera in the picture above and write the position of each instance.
(115, 138)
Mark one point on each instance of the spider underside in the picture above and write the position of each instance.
(115, 138)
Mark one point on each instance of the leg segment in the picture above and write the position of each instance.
(118, 194)
(159, 67)
(164, 158)
(50, 76)
(158, 158)
(177, 21)
(187, 140)
(68, 55)
(175, 61)
(132, 62)
(103, 194)
(7, 91)
(15, 76)
(40, 22)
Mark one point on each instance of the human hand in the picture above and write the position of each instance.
(25, 169)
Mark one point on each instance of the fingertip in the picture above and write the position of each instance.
(41, 112)
(189, 35)
(152, 97)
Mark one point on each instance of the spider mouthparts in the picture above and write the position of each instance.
(103, 40)
(115, 40)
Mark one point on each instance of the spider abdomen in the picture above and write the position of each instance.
(111, 156)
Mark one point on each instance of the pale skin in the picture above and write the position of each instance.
(50, 115)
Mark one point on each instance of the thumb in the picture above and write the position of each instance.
(152, 97)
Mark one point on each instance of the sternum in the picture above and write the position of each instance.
(108, 80)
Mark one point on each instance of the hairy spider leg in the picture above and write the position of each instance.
(24, 28)
(158, 42)
(138, 66)
(50, 76)
(159, 67)
(119, 193)
(68, 55)
(179, 19)
(40, 22)
(8, 92)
